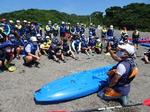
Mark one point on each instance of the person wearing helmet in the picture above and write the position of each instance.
(5, 26)
(92, 42)
(55, 50)
(55, 30)
(121, 75)
(12, 26)
(84, 45)
(45, 45)
(98, 46)
(92, 30)
(123, 32)
(103, 34)
(31, 52)
(76, 44)
(3, 20)
(82, 29)
(18, 27)
(135, 38)
(62, 30)
(49, 29)
(110, 36)
(67, 51)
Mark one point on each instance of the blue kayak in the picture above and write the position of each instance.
(145, 44)
(73, 86)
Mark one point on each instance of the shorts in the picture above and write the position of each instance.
(135, 41)
(9, 55)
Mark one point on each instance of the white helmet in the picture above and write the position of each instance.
(18, 21)
(11, 21)
(98, 40)
(111, 26)
(62, 22)
(47, 37)
(38, 35)
(49, 22)
(25, 21)
(33, 39)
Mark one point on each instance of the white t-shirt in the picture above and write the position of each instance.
(28, 48)
(121, 69)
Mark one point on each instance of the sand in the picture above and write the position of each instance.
(17, 88)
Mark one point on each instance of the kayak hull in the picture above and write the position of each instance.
(73, 86)
(145, 44)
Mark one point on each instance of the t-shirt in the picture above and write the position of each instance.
(28, 48)
(121, 69)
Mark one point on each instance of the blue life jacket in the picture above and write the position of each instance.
(15, 41)
(33, 48)
(110, 33)
(77, 29)
(62, 29)
(92, 41)
(84, 42)
(6, 44)
(82, 30)
(77, 41)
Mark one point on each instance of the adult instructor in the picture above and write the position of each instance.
(121, 75)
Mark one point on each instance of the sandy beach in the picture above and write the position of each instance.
(17, 88)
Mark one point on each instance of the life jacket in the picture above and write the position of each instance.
(65, 45)
(77, 42)
(131, 72)
(136, 35)
(98, 45)
(6, 44)
(82, 30)
(16, 41)
(84, 42)
(62, 29)
(33, 48)
(77, 29)
(92, 41)
(110, 32)
(6, 28)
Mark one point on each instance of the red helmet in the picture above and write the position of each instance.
(3, 20)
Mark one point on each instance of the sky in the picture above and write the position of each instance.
(80, 7)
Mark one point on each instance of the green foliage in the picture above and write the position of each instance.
(135, 15)
(43, 16)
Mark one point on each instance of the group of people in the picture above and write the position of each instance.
(30, 40)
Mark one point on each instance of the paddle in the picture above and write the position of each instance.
(146, 102)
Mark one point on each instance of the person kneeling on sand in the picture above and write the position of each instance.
(147, 57)
(98, 46)
(121, 75)
(67, 51)
(55, 50)
(32, 53)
